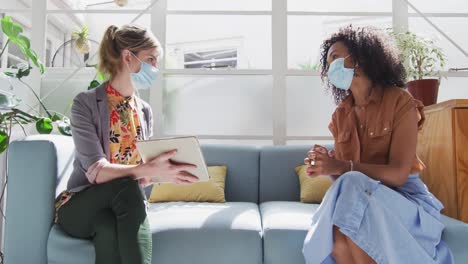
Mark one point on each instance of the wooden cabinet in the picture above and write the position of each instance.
(443, 146)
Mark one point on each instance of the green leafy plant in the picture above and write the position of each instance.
(420, 56)
(10, 114)
(98, 79)
(13, 32)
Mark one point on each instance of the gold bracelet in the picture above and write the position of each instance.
(351, 165)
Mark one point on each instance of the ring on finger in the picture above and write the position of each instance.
(312, 162)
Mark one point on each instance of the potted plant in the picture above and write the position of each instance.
(10, 115)
(422, 60)
(80, 40)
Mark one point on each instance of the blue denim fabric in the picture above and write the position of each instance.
(400, 225)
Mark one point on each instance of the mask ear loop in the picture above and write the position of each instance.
(355, 66)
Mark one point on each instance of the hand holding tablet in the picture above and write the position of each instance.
(187, 152)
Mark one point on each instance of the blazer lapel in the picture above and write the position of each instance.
(104, 116)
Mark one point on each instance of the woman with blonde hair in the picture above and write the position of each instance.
(104, 200)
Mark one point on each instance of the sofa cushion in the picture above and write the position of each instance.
(206, 233)
(184, 233)
(285, 226)
(206, 191)
(243, 169)
(278, 179)
(36, 165)
(455, 235)
(62, 249)
(313, 189)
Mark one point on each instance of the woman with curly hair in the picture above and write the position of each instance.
(377, 210)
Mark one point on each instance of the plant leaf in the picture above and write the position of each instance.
(55, 117)
(4, 140)
(44, 125)
(32, 55)
(64, 128)
(41, 67)
(10, 28)
(101, 76)
(93, 84)
(23, 73)
(23, 40)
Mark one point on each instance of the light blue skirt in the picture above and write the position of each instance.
(391, 225)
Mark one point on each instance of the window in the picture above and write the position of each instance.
(309, 107)
(16, 4)
(220, 5)
(218, 105)
(306, 33)
(340, 6)
(60, 27)
(211, 58)
(446, 6)
(454, 27)
(241, 42)
(226, 76)
(94, 5)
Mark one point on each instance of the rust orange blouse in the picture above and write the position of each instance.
(383, 113)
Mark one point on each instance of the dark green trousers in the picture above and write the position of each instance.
(113, 216)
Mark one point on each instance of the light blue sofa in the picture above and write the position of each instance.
(262, 222)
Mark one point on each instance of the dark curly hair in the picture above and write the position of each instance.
(375, 53)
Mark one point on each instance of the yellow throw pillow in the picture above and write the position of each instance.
(210, 191)
(312, 188)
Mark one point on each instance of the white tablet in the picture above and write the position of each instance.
(188, 151)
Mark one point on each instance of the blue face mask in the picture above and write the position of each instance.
(340, 76)
(144, 78)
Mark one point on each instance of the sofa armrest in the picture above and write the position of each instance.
(455, 235)
(35, 165)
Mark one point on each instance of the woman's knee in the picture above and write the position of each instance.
(131, 190)
(122, 182)
(126, 188)
(353, 178)
(105, 222)
(129, 199)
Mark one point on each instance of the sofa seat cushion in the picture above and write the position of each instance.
(455, 235)
(183, 233)
(206, 232)
(63, 249)
(285, 226)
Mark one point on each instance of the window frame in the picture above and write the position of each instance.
(279, 15)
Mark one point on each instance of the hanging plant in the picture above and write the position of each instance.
(121, 2)
(81, 42)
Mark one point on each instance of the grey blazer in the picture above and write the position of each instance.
(90, 125)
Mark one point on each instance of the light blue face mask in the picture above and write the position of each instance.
(340, 76)
(144, 78)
